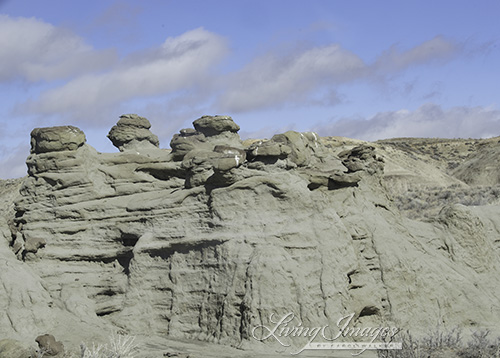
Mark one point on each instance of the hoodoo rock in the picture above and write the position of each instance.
(132, 132)
(215, 125)
(209, 132)
(56, 139)
(213, 238)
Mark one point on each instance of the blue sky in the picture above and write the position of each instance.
(362, 69)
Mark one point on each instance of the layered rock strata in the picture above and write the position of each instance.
(207, 240)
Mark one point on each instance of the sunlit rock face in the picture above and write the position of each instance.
(207, 240)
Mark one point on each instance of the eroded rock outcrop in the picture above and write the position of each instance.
(207, 241)
(30, 306)
(56, 139)
(210, 131)
(132, 132)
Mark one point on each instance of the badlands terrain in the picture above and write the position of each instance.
(192, 249)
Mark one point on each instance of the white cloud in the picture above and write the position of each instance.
(185, 63)
(436, 49)
(179, 63)
(429, 120)
(272, 80)
(34, 50)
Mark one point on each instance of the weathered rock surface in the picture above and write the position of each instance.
(28, 307)
(10, 348)
(207, 241)
(56, 139)
(215, 125)
(209, 132)
(49, 346)
(132, 132)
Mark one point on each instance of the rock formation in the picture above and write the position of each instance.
(49, 346)
(56, 139)
(206, 241)
(132, 132)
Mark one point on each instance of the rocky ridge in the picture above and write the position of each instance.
(206, 241)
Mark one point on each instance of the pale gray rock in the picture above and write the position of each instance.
(29, 308)
(231, 152)
(10, 348)
(362, 158)
(49, 346)
(56, 139)
(202, 166)
(185, 142)
(209, 132)
(132, 132)
(292, 148)
(214, 125)
(206, 243)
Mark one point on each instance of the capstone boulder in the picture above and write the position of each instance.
(132, 133)
(56, 139)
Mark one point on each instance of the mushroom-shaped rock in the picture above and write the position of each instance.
(186, 141)
(209, 132)
(214, 125)
(132, 132)
(56, 139)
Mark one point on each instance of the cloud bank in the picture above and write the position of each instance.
(33, 50)
(97, 79)
(429, 120)
(180, 63)
(273, 80)
(437, 49)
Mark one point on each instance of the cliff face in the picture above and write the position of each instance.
(207, 240)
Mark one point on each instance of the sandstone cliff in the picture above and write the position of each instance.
(207, 240)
